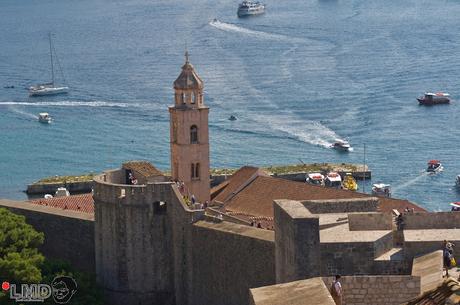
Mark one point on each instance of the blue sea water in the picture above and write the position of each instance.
(301, 75)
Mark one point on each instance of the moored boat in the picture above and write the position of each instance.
(457, 180)
(381, 189)
(349, 182)
(44, 117)
(434, 166)
(434, 98)
(333, 179)
(249, 8)
(315, 179)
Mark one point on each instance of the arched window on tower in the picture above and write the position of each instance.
(197, 171)
(193, 134)
(182, 97)
(194, 98)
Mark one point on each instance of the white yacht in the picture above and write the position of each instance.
(381, 189)
(44, 117)
(248, 8)
(315, 179)
(342, 145)
(50, 88)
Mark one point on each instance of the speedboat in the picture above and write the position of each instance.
(457, 180)
(349, 183)
(342, 145)
(434, 98)
(333, 179)
(44, 117)
(434, 166)
(249, 8)
(381, 189)
(315, 179)
(455, 206)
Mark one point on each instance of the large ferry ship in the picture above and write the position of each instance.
(248, 8)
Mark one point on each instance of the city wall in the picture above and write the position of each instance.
(69, 235)
(366, 204)
(370, 221)
(228, 260)
(378, 289)
(439, 220)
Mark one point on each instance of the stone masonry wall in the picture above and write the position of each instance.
(370, 221)
(228, 260)
(367, 204)
(69, 235)
(378, 290)
(439, 220)
(356, 257)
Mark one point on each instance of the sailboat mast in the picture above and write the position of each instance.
(51, 58)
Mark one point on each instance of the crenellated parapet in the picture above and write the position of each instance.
(108, 189)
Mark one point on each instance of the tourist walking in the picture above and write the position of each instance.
(448, 256)
(336, 290)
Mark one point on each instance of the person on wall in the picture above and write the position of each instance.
(336, 290)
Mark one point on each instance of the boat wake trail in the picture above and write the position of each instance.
(311, 132)
(24, 114)
(410, 182)
(79, 104)
(229, 27)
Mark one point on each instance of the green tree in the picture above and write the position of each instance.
(88, 292)
(20, 259)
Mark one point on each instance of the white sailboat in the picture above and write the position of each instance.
(49, 88)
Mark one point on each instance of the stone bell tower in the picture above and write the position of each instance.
(189, 136)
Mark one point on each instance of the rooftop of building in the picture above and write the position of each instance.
(250, 192)
(144, 168)
(81, 203)
(448, 293)
(188, 78)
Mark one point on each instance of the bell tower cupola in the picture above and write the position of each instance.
(189, 134)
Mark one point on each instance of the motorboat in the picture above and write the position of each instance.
(50, 88)
(349, 182)
(315, 179)
(434, 166)
(249, 8)
(457, 180)
(333, 179)
(44, 117)
(381, 189)
(232, 118)
(455, 206)
(434, 98)
(341, 145)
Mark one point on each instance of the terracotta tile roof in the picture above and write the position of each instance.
(235, 183)
(448, 293)
(144, 168)
(250, 193)
(81, 203)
